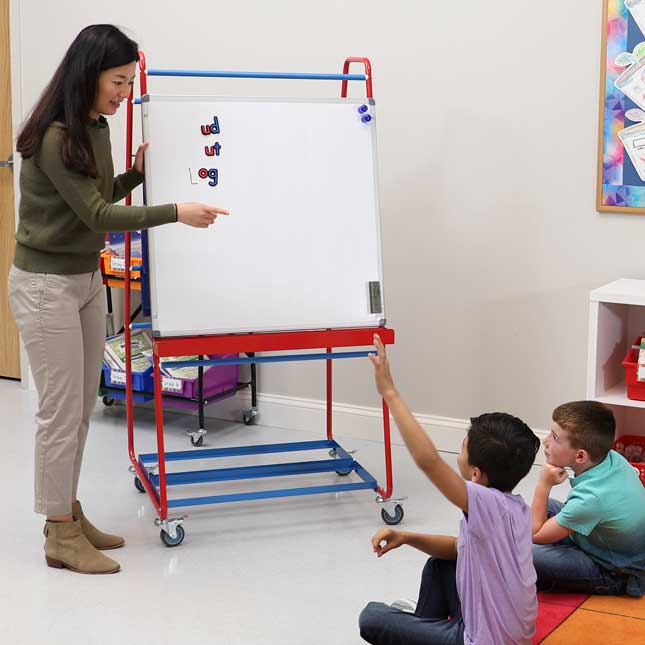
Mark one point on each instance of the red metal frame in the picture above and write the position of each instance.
(330, 434)
(368, 73)
(236, 343)
(269, 341)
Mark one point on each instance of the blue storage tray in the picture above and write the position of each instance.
(141, 381)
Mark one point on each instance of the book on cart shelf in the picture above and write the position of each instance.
(141, 359)
(182, 372)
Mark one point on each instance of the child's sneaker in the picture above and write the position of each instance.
(405, 604)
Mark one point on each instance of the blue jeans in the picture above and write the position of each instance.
(565, 567)
(380, 624)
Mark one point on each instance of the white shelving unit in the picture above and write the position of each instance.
(616, 320)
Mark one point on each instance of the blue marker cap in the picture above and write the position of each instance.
(366, 118)
(362, 108)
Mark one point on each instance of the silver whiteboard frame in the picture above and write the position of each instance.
(149, 199)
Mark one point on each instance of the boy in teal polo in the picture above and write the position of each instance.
(595, 542)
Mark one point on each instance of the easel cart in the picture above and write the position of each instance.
(151, 476)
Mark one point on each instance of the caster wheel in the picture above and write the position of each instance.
(139, 485)
(197, 442)
(108, 401)
(248, 418)
(176, 541)
(333, 454)
(392, 519)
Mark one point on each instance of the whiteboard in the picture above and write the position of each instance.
(301, 248)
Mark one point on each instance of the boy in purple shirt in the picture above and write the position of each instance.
(478, 589)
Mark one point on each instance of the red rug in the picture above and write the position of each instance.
(553, 609)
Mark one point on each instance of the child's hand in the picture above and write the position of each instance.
(138, 159)
(382, 375)
(393, 539)
(552, 475)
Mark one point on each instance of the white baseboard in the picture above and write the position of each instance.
(349, 421)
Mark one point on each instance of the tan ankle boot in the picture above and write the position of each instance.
(98, 539)
(67, 547)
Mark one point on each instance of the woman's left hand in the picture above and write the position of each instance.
(138, 159)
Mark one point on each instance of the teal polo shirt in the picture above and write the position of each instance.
(606, 511)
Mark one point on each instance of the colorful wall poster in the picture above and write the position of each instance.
(621, 130)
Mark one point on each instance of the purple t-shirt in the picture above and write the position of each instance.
(495, 572)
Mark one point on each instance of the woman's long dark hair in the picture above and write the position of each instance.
(71, 92)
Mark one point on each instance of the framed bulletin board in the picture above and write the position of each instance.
(621, 130)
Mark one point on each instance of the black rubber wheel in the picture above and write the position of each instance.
(139, 485)
(392, 519)
(248, 418)
(344, 473)
(108, 401)
(197, 442)
(176, 541)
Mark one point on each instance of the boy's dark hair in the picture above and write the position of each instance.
(589, 425)
(503, 447)
(70, 94)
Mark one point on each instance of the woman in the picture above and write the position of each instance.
(68, 189)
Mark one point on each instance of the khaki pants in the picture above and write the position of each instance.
(62, 323)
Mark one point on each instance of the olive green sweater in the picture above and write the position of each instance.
(64, 215)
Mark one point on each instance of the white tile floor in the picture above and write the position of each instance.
(284, 571)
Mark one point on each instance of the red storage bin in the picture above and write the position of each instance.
(635, 388)
(632, 440)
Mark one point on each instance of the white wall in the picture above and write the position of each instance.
(487, 130)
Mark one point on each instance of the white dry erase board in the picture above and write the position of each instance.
(301, 248)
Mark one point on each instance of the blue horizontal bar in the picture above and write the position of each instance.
(285, 358)
(233, 74)
(268, 494)
(137, 101)
(256, 472)
(212, 453)
(142, 325)
(364, 475)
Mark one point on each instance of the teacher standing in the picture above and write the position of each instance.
(68, 190)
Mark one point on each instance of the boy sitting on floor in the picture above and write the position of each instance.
(478, 588)
(594, 543)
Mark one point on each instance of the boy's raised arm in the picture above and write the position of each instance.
(421, 447)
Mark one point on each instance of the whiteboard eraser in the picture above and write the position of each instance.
(376, 306)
